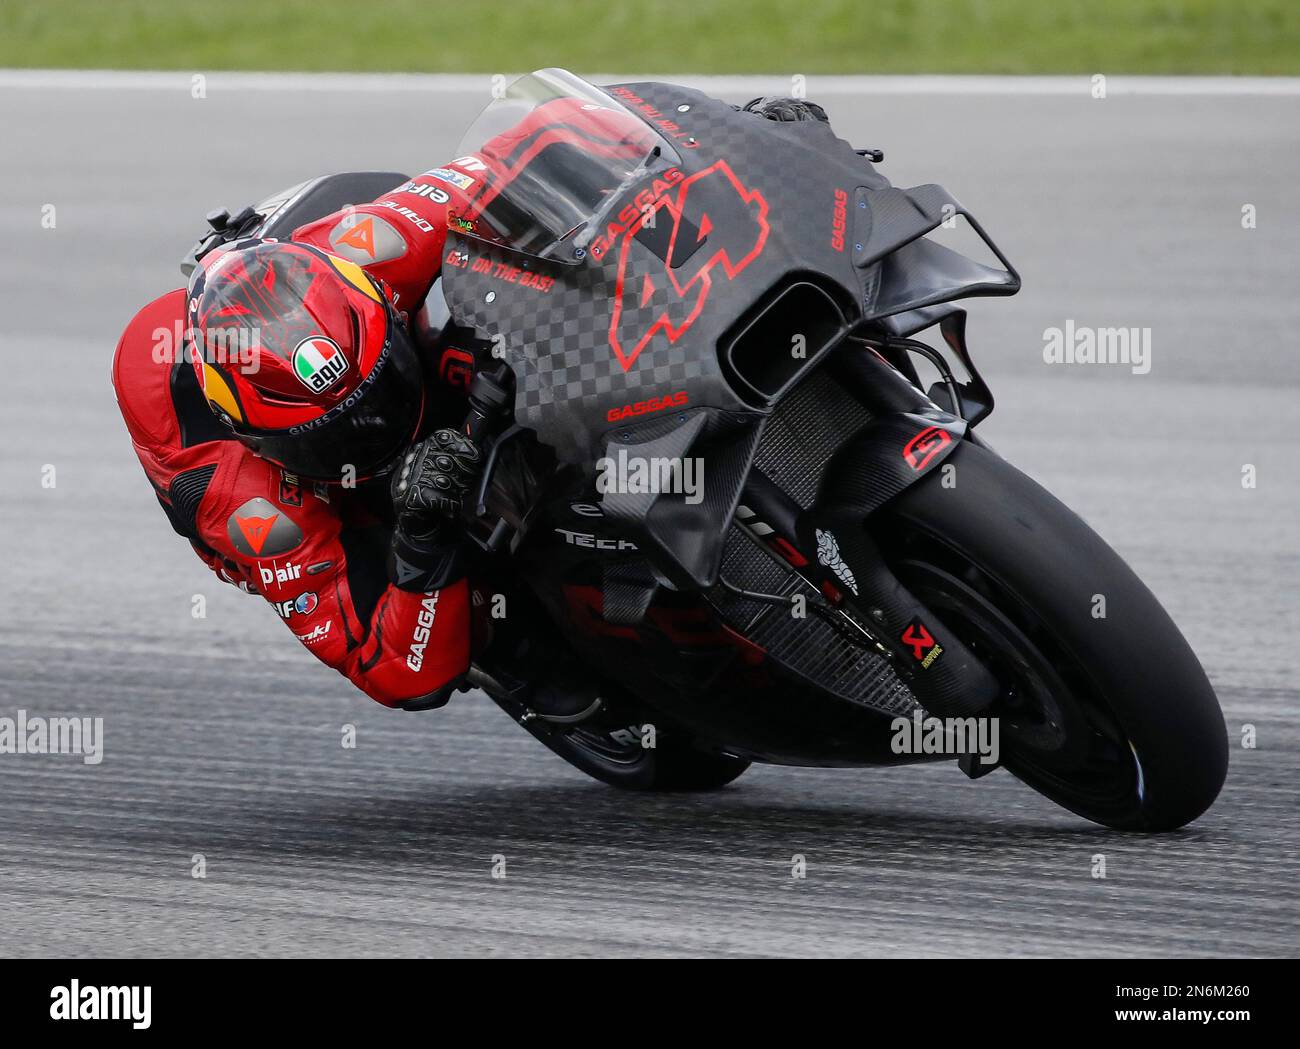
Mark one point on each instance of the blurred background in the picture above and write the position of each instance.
(665, 36)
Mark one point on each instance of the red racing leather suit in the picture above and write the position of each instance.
(316, 552)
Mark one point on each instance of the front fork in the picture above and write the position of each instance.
(832, 549)
(907, 438)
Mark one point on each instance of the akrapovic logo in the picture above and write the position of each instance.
(423, 627)
(75, 1002)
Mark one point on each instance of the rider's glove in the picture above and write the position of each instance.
(430, 483)
(786, 110)
(428, 488)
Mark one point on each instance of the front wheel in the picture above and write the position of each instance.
(1104, 707)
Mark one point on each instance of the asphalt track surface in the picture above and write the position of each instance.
(223, 737)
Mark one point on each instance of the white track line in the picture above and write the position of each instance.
(482, 83)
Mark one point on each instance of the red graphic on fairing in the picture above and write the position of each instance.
(730, 234)
(922, 448)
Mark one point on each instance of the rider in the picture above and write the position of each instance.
(302, 443)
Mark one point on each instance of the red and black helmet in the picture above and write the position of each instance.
(302, 355)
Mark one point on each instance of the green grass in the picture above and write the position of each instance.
(711, 36)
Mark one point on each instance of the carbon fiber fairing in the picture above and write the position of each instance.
(754, 203)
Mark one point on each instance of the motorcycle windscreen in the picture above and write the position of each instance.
(553, 157)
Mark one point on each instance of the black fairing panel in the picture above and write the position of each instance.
(626, 324)
(627, 342)
(683, 539)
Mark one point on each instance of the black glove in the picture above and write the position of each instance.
(432, 479)
(786, 110)
(428, 488)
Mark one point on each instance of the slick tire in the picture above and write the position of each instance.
(1108, 714)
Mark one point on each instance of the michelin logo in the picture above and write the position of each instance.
(828, 553)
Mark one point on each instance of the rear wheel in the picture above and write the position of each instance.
(1104, 707)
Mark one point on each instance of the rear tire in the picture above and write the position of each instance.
(1112, 718)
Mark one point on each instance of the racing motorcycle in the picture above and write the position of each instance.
(651, 288)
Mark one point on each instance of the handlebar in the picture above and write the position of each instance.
(488, 398)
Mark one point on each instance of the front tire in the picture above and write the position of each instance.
(1105, 710)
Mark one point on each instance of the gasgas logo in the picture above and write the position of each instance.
(653, 404)
(839, 219)
(423, 631)
(634, 214)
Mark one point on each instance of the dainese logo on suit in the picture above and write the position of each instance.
(261, 529)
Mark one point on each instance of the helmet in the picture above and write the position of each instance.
(302, 355)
